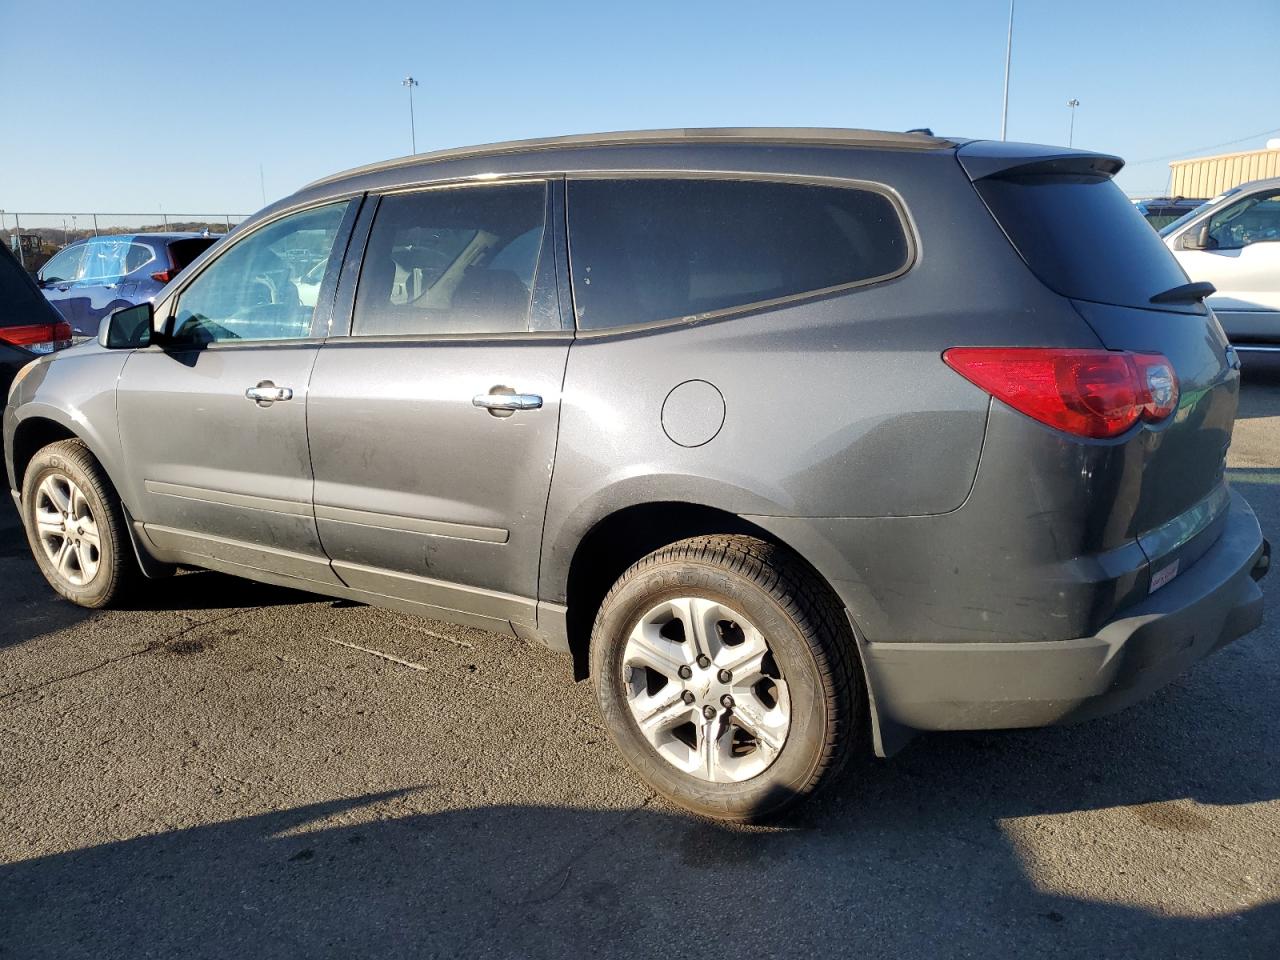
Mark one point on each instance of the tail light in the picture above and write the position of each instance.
(164, 276)
(1089, 393)
(38, 337)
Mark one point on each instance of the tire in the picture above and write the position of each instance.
(65, 478)
(778, 738)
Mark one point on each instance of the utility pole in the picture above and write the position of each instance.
(1071, 131)
(413, 133)
(1008, 58)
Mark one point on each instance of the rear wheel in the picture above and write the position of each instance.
(75, 526)
(726, 675)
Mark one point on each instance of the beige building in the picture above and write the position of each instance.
(1206, 177)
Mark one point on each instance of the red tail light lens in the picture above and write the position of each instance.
(1089, 393)
(38, 337)
(164, 276)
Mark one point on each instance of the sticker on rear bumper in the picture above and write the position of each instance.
(1163, 576)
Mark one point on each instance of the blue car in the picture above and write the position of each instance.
(89, 279)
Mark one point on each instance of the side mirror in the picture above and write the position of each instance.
(1199, 239)
(128, 327)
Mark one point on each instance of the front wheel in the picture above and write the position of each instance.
(75, 526)
(726, 676)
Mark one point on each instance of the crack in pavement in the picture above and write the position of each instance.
(579, 854)
(153, 645)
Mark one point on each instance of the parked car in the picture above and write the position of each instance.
(1161, 211)
(1233, 242)
(88, 279)
(794, 440)
(29, 326)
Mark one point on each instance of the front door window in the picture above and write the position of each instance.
(257, 289)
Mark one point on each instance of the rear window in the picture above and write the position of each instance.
(1083, 237)
(21, 303)
(184, 251)
(652, 249)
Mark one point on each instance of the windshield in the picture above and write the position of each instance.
(1173, 227)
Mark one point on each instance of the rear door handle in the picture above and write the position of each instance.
(503, 401)
(267, 393)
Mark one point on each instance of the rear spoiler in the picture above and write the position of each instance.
(982, 159)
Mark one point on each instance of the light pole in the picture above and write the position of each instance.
(1008, 57)
(1071, 131)
(413, 134)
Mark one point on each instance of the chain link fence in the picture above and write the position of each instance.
(35, 237)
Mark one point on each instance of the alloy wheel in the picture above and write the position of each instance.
(67, 529)
(705, 691)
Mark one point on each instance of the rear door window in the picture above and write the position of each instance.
(455, 260)
(1082, 237)
(647, 250)
(105, 259)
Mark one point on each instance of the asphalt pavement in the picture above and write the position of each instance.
(235, 770)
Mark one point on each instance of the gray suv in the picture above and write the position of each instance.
(794, 440)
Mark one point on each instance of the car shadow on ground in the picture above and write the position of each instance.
(1259, 377)
(208, 590)
(539, 881)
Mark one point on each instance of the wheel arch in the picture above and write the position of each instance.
(31, 436)
(34, 433)
(620, 538)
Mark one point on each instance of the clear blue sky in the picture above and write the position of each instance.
(173, 105)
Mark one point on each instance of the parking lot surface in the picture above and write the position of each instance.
(234, 770)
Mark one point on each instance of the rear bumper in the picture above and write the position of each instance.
(981, 685)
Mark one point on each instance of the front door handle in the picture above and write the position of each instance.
(267, 393)
(503, 401)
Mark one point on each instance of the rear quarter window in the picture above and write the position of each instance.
(1082, 237)
(137, 256)
(647, 250)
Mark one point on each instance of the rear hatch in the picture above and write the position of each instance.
(1082, 237)
(29, 324)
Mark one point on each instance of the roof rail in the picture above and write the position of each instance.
(799, 136)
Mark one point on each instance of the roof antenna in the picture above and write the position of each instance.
(925, 130)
